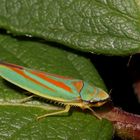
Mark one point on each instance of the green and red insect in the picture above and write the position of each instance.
(67, 91)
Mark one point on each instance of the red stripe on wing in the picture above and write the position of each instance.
(57, 83)
(59, 76)
(78, 85)
(20, 72)
(11, 65)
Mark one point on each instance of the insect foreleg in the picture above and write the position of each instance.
(94, 113)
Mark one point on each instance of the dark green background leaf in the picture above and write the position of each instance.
(17, 121)
(105, 27)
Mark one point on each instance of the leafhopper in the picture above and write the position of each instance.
(64, 90)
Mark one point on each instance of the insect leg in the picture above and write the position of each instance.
(129, 60)
(26, 99)
(67, 108)
(94, 113)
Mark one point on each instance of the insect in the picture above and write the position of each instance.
(64, 90)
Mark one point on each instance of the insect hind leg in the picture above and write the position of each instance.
(67, 108)
(27, 99)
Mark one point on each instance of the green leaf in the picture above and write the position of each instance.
(105, 27)
(78, 126)
(18, 121)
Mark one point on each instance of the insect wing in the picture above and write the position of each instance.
(50, 86)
